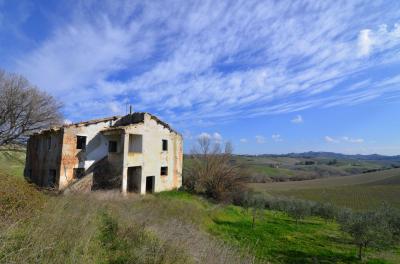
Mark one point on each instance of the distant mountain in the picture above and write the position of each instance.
(332, 155)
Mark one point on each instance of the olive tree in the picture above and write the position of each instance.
(24, 109)
(366, 229)
(298, 209)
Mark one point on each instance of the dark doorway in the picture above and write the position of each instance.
(150, 184)
(134, 178)
(51, 180)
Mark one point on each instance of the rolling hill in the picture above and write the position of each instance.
(360, 192)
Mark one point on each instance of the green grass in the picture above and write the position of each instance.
(12, 162)
(169, 227)
(277, 238)
(18, 199)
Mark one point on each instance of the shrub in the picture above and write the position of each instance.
(211, 171)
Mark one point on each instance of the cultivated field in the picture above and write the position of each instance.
(294, 167)
(364, 191)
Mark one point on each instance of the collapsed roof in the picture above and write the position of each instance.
(121, 121)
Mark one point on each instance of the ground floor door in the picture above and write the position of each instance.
(134, 179)
(150, 184)
(51, 179)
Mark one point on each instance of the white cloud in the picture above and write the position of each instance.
(67, 122)
(243, 140)
(353, 140)
(276, 138)
(187, 134)
(217, 137)
(204, 135)
(297, 120)
(379, 39)
(365, 42)
(331, 140)
(173, 57)
(343, 139)
(260, 139)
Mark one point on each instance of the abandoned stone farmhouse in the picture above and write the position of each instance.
(134, 153)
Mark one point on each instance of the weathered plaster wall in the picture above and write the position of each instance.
(42, 157)
(153, 157)
(96, 149)
(63, 155)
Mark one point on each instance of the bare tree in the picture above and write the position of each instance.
(24, 109)
(211, 171)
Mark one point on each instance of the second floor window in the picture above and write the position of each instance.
(112, 146)
(164, 171)
(81, 142)
(164, 145)
(49, 142)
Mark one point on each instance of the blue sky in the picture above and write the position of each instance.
(270, 76)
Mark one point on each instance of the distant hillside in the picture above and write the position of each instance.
(333, 155)
(309, 165)
(360, 192)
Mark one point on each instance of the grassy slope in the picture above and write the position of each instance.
(12, 162)
(365, 191)
(277, 238)
(18, 199)
(165, 228)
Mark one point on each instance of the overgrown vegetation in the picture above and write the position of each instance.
(18, 200)
(211, 172)
(178, 227)
(379, 228)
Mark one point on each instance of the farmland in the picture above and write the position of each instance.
(313, 165)
(360, 192)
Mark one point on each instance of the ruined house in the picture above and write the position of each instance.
(134, 153)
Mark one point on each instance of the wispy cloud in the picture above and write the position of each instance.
(353, 140)
(277, 138)
(330, 139)
(208, 60)
(343, 139)
(365, 42)
(297, 120)
(260, 139)
(243, 140)
(204, 135)
(383, 37)
(215, 136)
